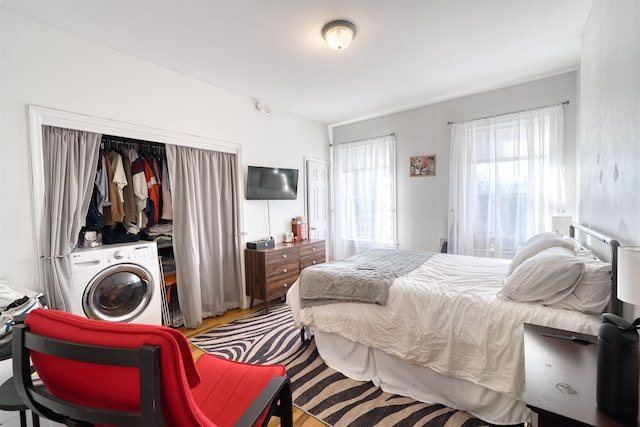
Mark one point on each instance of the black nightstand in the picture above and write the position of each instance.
(561, 379)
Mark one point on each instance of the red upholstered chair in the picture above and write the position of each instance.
(103, 373)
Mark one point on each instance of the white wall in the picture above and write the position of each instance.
(610, 120)
(423, 201)
(43, 66)
(610, 123)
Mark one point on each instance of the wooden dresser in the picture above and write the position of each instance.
(270, 272)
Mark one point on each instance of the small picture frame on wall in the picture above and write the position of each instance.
(423, 165)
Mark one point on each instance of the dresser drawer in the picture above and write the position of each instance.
(282, 261)
(280, 285)
(312, 254)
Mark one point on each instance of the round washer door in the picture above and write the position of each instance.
(118, 293)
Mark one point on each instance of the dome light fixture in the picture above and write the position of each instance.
(339, 33)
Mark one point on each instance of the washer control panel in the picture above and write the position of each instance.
(142, 251)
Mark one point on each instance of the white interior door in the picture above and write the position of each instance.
(318, 198)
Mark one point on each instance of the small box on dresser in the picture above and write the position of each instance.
(271, 272)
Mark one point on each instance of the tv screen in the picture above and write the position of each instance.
(265, 183)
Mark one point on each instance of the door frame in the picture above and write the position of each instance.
(306, 199)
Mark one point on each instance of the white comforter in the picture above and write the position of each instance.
(445, 315)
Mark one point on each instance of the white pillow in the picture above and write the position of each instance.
(574, 242)
(537, 244)
(593, 291)
(546, 277)
(586, 255)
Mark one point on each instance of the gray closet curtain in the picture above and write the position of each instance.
(70, 162)
(205, 227)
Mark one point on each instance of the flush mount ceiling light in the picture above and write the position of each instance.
(339, 34)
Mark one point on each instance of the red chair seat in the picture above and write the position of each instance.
(230, 387)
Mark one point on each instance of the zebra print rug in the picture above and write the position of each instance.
(317, 389)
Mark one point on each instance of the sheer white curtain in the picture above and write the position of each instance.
(205, 230)
(364, 195)
(70, 160)
(507, 178)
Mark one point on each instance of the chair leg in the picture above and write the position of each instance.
(284, 410)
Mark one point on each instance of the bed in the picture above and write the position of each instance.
(448, 328)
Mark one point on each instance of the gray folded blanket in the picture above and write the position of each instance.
(365, 277)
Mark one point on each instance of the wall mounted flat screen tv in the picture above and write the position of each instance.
(264, 183)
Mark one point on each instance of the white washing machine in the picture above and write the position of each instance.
(117, 283)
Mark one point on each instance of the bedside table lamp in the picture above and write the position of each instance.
(617, 377)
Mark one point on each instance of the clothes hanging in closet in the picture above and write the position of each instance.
(131, 192)
(130, 208)
(114, 212)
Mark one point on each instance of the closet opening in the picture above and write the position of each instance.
(131, 201)
(207, 194)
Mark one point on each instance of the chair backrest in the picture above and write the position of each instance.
(146, 359)
(108, 366)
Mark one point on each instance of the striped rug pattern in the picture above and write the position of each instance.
(317, 389)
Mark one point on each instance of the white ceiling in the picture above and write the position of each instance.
(406, 53)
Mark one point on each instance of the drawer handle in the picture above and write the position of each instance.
(313, 249)
(284, 255)
(313, 262)
(285, 285)
(284, 271)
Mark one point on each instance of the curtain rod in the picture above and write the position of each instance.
(512, 112)
(118, 140)
(364, 139)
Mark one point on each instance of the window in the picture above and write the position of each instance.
(507, 178)
(364, 195)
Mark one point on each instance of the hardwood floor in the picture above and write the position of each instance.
(300, 418)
